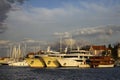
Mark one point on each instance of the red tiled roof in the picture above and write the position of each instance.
(99, 47)
(31, 53)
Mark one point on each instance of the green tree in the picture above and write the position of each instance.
(114, 51)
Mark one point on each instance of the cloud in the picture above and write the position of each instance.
(4, 42)
(38, 22)
(106, 30)
(5, 7)
(98, 35)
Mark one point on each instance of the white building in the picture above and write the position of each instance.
(119, 51)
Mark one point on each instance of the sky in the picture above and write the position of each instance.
(93, 21)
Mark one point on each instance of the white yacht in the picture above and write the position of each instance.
(22, 63)
(76, 58)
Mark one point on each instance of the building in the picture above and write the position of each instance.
(100, 50)
(118, 51)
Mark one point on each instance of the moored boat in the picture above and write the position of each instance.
(101, 61)
(19, 64)
(4, 60)
(76, 58)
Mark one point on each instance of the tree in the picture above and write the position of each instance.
(114, 51)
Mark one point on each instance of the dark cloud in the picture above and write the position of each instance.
(5, 7)
(19, 1)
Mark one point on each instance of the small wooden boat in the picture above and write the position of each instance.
(101, 61)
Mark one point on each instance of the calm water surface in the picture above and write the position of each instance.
(20, 73)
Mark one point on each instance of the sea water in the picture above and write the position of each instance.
(26, 73)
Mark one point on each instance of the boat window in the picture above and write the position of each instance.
(64, 64)
(37, 57)
(70, 56)
(48, 62)
(79, 60)
(77, 52)
(53, 55)
(31, 62)
(88, 61)
(85, 56)
(81, 56)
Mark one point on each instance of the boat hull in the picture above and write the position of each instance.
(51, 62)
(105, 66)
(4, 61)
(19, 64)
(84, 66)
(101, 61)
(67, 62)
(35, 62)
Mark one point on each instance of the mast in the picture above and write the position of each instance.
(60, 43)
(19, 52)
(71, 41)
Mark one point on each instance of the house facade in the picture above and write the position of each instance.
(119, 52)
(100, 50)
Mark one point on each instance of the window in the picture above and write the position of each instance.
(31, 62)
(48, 62)
(70, 56)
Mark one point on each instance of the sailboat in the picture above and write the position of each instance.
(16, 59)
